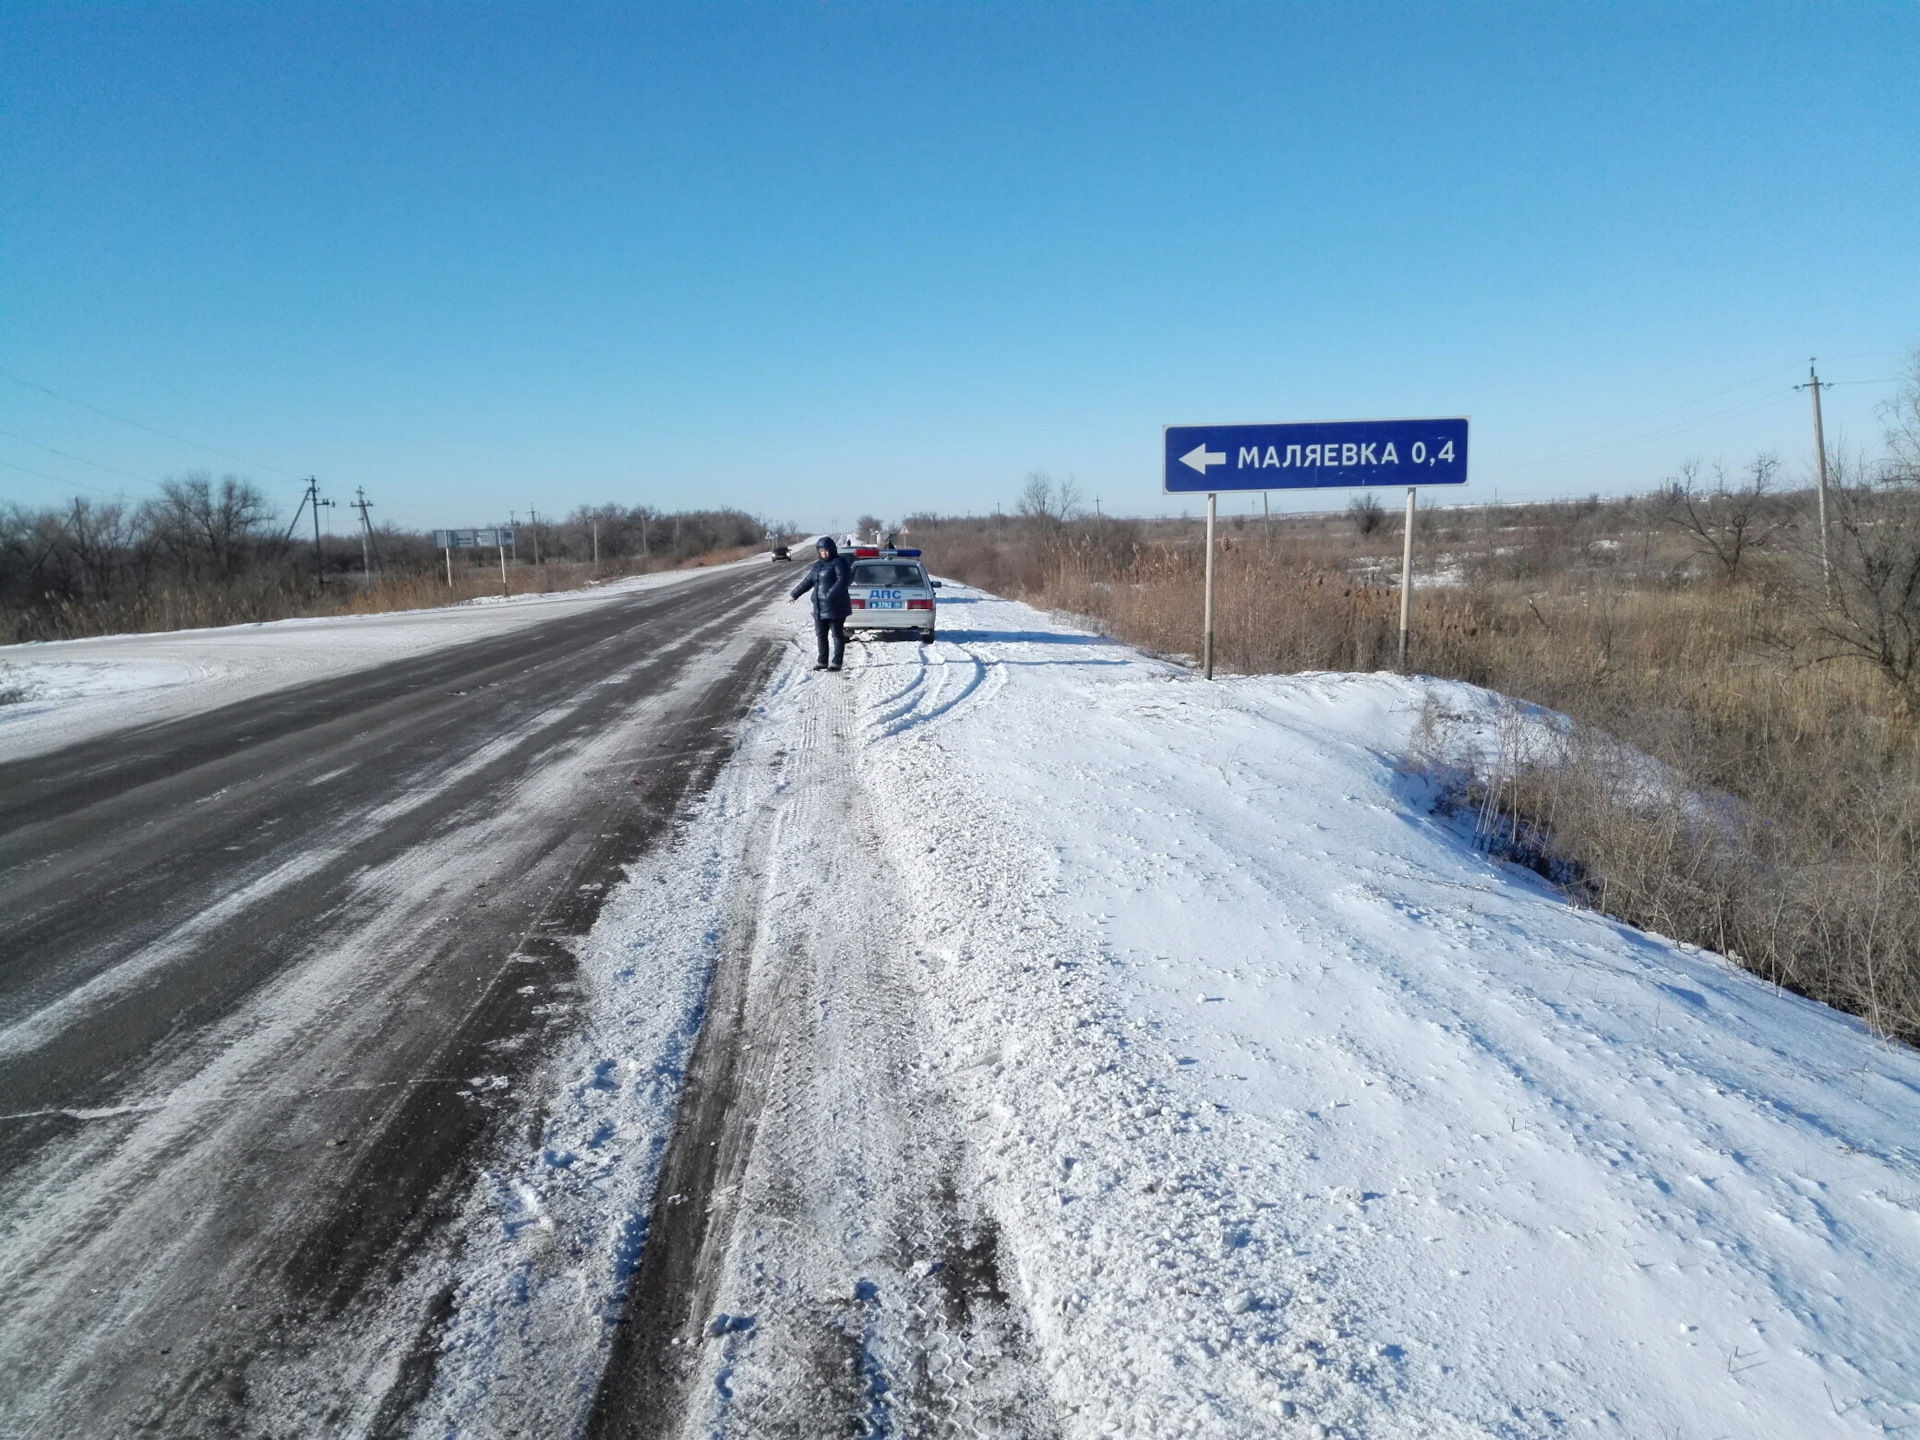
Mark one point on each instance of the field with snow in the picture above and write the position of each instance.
(1287, 1111)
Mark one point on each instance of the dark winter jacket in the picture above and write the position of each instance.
(829, 579)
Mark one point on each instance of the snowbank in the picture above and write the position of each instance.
(1299, 1109)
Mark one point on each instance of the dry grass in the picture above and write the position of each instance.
(1808, 873)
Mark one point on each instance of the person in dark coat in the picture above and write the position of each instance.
(829, 578)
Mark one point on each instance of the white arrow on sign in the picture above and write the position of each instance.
(1200, 457)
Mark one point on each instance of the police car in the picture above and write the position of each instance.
(891, 590)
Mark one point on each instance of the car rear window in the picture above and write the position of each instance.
(887, 572)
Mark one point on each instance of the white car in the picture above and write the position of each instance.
(891, 590)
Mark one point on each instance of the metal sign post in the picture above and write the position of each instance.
(452, 540)
(1406, 578)
(1315, 455)
(1209, 622)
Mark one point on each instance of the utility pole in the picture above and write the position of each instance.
(1266, 517)
(596, 544)
(533, 522)
(1820, 472)
(366, 534)
(513, 520)
(313, 501)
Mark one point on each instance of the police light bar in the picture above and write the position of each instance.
(865, 552)
(902, 553)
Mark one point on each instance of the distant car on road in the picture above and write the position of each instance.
(780, 553)
(891, 591)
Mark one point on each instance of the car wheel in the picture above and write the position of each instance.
(926, 636)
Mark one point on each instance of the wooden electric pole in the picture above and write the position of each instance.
(313, 500)
(366, 534)
(1820, 476)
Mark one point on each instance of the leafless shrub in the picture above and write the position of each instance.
(1868, 607)
(1366, 513)
(1726, 523)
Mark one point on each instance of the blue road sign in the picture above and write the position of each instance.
(1317, 455)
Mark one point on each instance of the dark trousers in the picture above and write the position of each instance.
(835, 627)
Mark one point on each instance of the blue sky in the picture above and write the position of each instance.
(814, 260)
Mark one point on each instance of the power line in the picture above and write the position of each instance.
(81, 459)
(1663, 432)
(163, 434)
(61, 479)
(1671, 409)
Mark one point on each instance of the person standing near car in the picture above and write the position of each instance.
(829, 580)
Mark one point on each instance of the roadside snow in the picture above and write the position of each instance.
(61, 692)
(1294, 1114)
(1302, 1112)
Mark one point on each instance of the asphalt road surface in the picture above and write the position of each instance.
(270, 980)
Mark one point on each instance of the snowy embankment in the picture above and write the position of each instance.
(61, 692)
(1294, 1113)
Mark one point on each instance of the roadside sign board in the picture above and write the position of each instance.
(1315, 455)
(471, 539)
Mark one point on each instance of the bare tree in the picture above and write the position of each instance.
(98, 538)
(1042, 498)
(1067, 499)
(1036, 496)
(1366, 514)
(208, 528)
(1728, 522)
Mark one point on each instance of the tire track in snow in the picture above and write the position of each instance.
(812, 1263)
(962, 679)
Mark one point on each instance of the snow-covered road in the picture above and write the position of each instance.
(275, 976)
(1095, 1051)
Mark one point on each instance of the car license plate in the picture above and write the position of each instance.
(886, 604)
